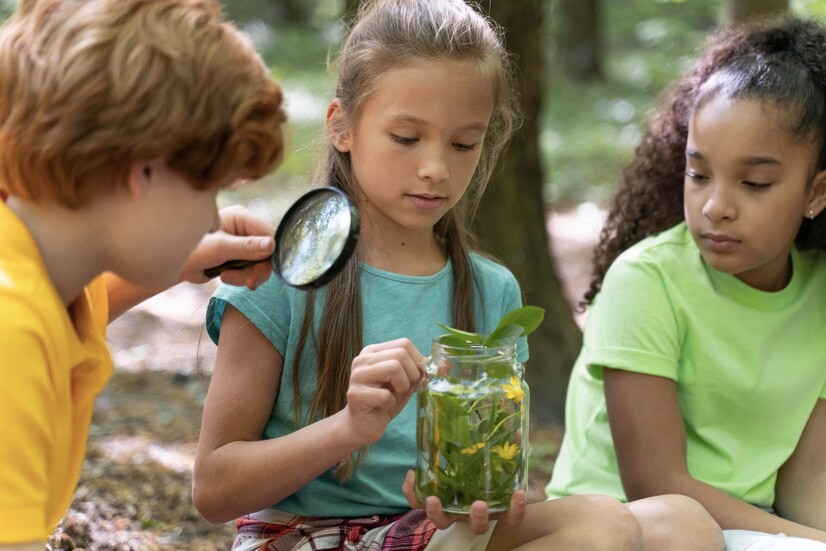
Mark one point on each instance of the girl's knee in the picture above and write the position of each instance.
(677, 522)
(593, 522)
(606, 523)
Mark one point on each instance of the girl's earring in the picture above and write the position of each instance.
(811, 214)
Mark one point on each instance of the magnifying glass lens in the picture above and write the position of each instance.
(313, 242)
(313, 238)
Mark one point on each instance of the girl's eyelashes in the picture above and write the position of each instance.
(464, 146)
(695, 176)
(755, 185)
(403, 139)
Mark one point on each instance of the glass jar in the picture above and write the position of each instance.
(472, 427)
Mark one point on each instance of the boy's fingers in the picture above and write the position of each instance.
(237, 220)
(251, 277)
(241, 247)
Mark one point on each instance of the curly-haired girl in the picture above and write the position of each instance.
(703, 370)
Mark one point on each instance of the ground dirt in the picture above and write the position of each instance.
(134, 491)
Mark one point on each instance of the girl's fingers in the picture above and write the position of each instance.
(519, 507)
(392, 366)
(409, 490)
(479, 517)
(410, 360)
(366, 399)
(403, 351)
(433, 506)
(387, 374)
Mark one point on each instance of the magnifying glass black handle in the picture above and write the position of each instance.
(215, 271)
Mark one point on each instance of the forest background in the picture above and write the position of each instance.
(589, 73)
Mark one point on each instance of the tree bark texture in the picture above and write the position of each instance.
(580, 39)
(294, 12)
(511, 221)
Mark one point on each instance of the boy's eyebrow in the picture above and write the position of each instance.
(751, 161)
(480, 126)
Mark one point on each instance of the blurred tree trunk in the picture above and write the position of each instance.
(294, 12)
(511, 220)
(580, 39)
(742, 10)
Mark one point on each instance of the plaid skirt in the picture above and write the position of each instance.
(272, 530)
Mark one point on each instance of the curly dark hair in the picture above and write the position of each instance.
(782, 61)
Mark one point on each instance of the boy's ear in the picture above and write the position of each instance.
(338, 126)
(140, 172)
(817, 195)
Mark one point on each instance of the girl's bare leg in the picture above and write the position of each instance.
(596, 523)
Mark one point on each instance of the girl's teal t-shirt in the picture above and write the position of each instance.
(394, 306)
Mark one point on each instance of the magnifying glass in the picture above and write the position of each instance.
(313, 242)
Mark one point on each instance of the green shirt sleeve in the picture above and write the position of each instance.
(632, 325)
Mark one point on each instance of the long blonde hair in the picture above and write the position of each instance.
(384, 35)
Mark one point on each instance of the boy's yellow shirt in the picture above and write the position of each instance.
(53, 362)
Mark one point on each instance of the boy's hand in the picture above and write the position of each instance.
(383, 378)
(479, 517)
(242, 236)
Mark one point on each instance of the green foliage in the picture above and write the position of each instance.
(517, 323)
(472, 416)
(297, 54)
(6, 8)
(590, 129)
(812, 8)
(472, 444)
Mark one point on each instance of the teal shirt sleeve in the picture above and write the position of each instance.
(513, 300)
(499, 293)
(268, 308)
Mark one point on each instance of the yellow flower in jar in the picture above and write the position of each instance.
(506, 452)
(513, 390)
(473, 449)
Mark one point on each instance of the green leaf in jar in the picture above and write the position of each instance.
(460, 339)
(517, 323)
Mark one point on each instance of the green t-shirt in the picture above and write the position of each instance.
(394, 306)
(749, 366)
